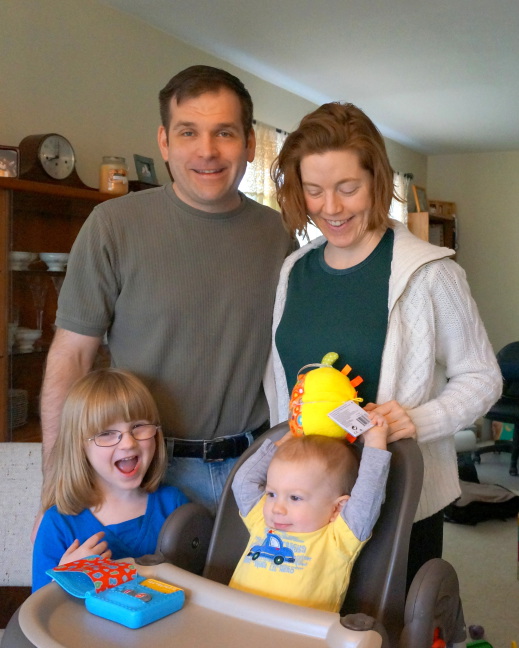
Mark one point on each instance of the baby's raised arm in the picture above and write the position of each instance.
(362, 510)
(248, 484)
(376, 437)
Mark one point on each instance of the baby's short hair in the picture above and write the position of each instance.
(340, 460)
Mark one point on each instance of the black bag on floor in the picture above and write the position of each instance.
(466, 468)
(480, 502)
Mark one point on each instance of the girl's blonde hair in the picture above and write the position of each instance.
(339, 459)
(94, 402)
(333, 127)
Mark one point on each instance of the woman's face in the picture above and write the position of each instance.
(337, 192)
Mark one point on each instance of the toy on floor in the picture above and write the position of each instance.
(317, 393)
(476, 632)
(438, 642)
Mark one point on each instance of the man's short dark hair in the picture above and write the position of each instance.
(197, 79)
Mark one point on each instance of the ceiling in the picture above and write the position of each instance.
(439, 76)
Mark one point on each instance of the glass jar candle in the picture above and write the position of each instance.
(113, 176)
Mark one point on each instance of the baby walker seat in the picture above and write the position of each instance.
(376, 612)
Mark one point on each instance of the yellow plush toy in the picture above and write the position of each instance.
(317, 393)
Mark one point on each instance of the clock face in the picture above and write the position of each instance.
(57, 156)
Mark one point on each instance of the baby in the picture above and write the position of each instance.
(310, 508)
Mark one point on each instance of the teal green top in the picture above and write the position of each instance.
(345, 311)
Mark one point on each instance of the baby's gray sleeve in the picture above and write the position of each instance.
(361, 511)
(248, 484)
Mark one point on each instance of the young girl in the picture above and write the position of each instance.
(103, 495)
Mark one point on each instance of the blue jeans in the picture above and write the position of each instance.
(201, 481)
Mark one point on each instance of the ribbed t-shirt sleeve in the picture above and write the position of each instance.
(90, 289)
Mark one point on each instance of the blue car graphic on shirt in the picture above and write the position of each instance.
(272, 547)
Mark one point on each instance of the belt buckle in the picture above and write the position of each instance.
(206, 450)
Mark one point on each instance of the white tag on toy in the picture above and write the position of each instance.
(352, 418)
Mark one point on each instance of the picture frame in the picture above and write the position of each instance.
(145, 168)
(9, 161)
(420, 199)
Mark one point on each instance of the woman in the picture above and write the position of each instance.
(395, 308)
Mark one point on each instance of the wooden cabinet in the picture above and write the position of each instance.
(34, 217)
(437, 226)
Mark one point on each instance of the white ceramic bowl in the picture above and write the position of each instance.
(21, 260)
(25, 339)
(55, 260)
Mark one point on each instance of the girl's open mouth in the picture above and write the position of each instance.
(127, 465)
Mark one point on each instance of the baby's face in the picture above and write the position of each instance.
(299, 497)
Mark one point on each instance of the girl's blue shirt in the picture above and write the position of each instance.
(132, 538)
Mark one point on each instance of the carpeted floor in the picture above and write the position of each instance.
(485, 557)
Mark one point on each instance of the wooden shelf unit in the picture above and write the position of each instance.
(34, 217)
(437, 226)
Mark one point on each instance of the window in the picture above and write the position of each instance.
(257, 183)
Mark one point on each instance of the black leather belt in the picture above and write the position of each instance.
(214, 449)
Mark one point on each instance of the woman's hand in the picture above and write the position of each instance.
(400, 424)
(94, 546)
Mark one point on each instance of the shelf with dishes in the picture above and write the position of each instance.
(38, 225)
(43, 261)
(23, 400)
(32, 308)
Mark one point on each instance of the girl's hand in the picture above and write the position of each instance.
(400, 424)
(94, 546)
(376, 437)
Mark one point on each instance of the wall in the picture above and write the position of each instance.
(82, 69)
(405, 160)
(93, 74)
(486, 191)
(86, 71)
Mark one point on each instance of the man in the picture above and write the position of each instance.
(182, 279)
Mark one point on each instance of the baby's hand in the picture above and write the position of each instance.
(94, 546)
(376, 437)
(283, 439)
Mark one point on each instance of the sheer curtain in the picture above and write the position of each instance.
(398, 208)
(257, 183)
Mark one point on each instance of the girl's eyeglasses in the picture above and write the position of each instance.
(139, 431)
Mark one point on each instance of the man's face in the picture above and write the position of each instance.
(207, 150)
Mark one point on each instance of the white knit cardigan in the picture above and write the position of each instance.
(437, 361)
